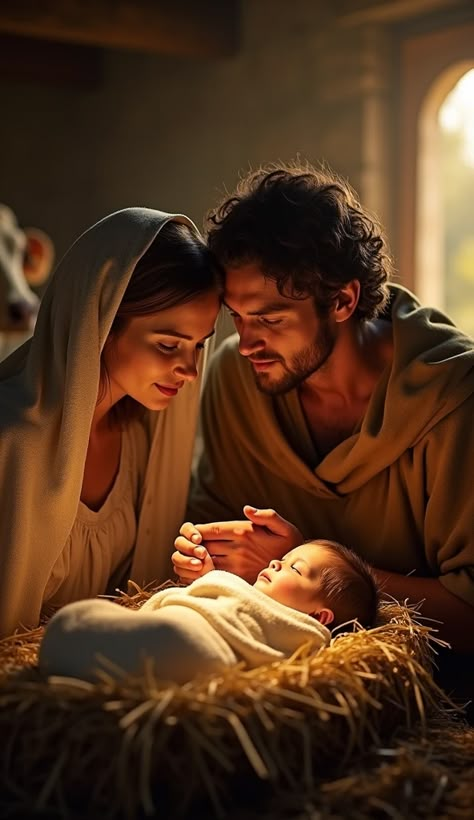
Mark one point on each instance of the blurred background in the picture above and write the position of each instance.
(111, 103)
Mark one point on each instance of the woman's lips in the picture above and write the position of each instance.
(167, 391)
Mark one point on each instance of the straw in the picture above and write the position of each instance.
(358, 729)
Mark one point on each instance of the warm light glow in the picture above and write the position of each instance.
(457, 114)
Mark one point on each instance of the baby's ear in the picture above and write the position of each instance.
(324, 616)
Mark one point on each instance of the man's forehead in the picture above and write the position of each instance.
(247, 284)
(248, 278)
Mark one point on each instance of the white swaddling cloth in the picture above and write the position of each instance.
(217, 621)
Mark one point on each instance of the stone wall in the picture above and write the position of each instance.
(173, 132)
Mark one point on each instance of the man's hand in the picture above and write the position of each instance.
(242, 547)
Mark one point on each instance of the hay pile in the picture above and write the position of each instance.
(358, 730)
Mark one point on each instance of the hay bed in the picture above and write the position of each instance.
(359, 730)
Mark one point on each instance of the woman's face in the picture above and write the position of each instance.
(155, 355)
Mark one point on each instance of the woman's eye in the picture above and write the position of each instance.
(166, 348)
(293, 567)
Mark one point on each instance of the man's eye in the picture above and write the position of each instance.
(265, 321)
(295, 568)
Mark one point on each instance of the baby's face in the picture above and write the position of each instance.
(293, 580)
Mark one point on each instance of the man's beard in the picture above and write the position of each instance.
(300, 367)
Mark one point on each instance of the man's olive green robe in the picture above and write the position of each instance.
(398, 491)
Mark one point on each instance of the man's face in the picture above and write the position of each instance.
(283, 338)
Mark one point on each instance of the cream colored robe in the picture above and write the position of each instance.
(216, 621)
(398, 491)
(48, 391)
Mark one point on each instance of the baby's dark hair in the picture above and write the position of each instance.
(349, 585)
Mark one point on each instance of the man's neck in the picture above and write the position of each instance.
(361, 353)
(335, 398)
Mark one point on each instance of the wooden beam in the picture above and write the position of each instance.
(25, 59)
(208, 28)
(360, 12)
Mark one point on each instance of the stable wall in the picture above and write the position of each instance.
(172, 132)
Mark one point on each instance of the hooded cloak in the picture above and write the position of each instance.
(48, 393)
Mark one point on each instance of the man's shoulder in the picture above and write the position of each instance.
(230, 382)
(228, 349)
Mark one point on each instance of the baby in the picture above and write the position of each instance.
(216, 621)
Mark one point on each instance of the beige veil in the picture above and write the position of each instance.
(48, 390)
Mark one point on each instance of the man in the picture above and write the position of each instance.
(344, 404)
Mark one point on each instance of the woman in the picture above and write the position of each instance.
(98, 413)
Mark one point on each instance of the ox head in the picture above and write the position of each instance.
(25, 258)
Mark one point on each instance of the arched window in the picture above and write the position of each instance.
(456, 155)
(436, 215)
(444, 228)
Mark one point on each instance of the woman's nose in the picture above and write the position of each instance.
(275, 565)
(187, 370)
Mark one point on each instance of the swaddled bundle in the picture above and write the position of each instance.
(217, 621)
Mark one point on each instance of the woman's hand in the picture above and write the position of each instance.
(242, 547)
(190, 561)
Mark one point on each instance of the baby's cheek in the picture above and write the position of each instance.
(286, 592)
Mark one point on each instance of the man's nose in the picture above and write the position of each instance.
(250, 339)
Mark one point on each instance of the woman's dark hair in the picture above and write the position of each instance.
(177, 268)
(307, 231)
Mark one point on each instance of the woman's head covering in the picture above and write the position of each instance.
(48, 393)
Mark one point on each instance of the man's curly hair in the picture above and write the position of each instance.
(307, 231)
